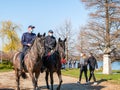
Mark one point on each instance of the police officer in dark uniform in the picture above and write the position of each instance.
(50, 42)
(26, 41)
(92, 62)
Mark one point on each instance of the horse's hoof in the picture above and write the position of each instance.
(48, 87)
(18, 88)
(58, 88)
(37, 88)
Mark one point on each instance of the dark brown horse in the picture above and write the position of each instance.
(53, 63)
(32, 61)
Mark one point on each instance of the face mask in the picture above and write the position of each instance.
(31, 31)
(50, 34)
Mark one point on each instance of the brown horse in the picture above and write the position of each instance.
(53, 63)
(32, 61)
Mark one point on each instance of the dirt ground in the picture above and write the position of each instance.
(7, 82)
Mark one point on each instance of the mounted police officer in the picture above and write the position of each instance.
(50, 42)
(26, 41)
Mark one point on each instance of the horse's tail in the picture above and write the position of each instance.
(24, 75)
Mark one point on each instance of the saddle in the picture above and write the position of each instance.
(47, 57)
(49, 54)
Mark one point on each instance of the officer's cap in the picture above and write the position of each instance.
(30, 26)
(50, 31)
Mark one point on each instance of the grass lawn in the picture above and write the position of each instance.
(112, 78)
(4, 67)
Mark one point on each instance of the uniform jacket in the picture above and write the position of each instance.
(27, 38)
(50, 42)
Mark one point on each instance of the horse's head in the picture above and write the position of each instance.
(40, 43)
(61, 47)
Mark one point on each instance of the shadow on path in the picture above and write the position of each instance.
(102, 80)
(6, 89)
(65, 86)
(91, 85)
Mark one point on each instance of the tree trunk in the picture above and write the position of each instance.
(107, 25)
(106, 56)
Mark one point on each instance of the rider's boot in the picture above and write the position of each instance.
(21, 64)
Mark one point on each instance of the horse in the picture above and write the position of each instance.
(32, 61)
(53, 63)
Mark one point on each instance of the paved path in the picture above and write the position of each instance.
(7, 82)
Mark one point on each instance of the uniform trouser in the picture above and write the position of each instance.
(92, 75)
(24, 50)
(83, 69)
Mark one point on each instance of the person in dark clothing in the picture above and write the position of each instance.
(74, 64)
(50, 42)
(26, 41)
(92, 62)
(83, 67)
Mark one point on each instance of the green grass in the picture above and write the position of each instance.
(112, 78)
(6, 66)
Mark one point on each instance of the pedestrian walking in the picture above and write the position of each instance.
(83, 67)
(92, 62)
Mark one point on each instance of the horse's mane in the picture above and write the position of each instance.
(42, 37)
(57, 46)
(36, 38)
(33, 41)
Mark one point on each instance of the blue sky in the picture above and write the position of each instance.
(44, 14)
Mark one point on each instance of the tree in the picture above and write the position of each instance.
(106, 12)
(104, 25)
(82, 42)
(8, 32)
(65, 31)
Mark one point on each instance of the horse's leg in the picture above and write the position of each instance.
(33, 80)
(51, 79)
(36, 78)
(17, 79)
(60, 79)
(46, 78)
